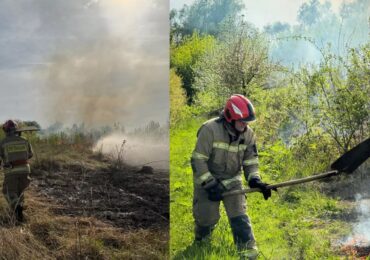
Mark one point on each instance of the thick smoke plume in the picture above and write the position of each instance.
(90, 61)
(136, 151)
(98, 85)
(120, 74)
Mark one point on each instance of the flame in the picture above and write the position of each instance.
(357, 246)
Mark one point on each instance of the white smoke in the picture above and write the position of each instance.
(360, 235)
(88, 61)
(362, 227)
(136, 151)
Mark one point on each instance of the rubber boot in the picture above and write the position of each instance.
(248, 251)
(203, 232)
(19, 213)
(243, 237)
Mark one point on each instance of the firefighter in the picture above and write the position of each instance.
(15, 152)
(225, 146)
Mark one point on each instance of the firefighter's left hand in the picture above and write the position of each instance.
(215, 193)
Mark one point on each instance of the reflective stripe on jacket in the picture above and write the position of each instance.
(15, 151)
(215, 155)
(17, 169)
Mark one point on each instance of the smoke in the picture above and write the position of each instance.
(137, 151)
(117, 75)
(362, 227)
(88, 61)
(360, 181)
(318, 22)
(341, 24)
(359, 241)
(101, 84)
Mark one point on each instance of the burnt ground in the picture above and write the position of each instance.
(125, 197)
(352, 189)
(356, 250)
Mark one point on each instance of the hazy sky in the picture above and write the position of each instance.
(263, 12)
(84, 60)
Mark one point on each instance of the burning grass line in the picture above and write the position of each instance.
(356, 246)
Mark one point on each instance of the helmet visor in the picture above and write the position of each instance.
(250, 118)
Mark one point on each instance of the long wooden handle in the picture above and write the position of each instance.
(28, 129)
(284, 184)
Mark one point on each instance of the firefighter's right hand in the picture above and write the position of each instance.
(214, 190)
(257, 183)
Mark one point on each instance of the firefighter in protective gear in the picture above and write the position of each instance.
(15, 151)
(225, 146)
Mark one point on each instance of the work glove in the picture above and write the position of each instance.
(257, 183)
(214, 189)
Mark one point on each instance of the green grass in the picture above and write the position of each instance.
(296, 223)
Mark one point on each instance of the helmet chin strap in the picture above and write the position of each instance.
(235, 129)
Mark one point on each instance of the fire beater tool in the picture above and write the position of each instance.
(347, 163)
(28, 129)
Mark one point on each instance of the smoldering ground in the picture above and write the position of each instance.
(354, 190)
(361, 195)
(134, 150)
(358, 242)
(362, 227)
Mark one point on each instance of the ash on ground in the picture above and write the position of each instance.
(126, 198)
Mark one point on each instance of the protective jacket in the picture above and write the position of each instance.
(15, 152)
(222, 154)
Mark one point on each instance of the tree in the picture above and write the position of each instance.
(237, 64)
(177, 99)
(338, 95)
(205, 16)
(176, 30)
(309, 13)
(31, 123)
(277, 27)
(186, 55)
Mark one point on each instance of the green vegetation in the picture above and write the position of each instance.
(204, 16)
(307, 116)
(179, 109)
(186, 55)
(297, 223)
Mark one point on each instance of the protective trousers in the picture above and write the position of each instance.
(13, 188)
(206, 214)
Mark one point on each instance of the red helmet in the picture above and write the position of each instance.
(10, 125)
(239, 107)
